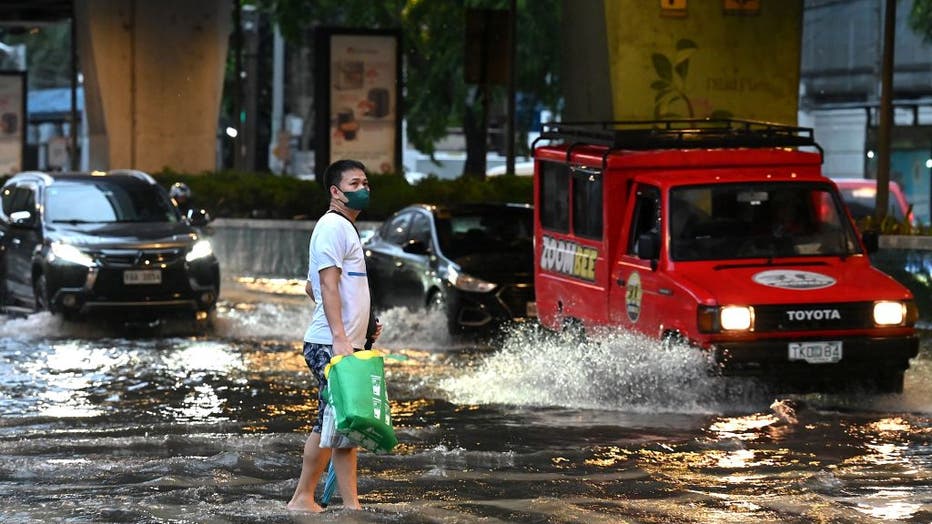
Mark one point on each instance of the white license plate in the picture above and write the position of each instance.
(531, 310)
(132, 277)
(827, 352)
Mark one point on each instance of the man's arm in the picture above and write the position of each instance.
(333, 309)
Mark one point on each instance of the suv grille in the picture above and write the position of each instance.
(135, 258)
(808, 317)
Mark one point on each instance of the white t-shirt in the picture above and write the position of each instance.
(335, 243)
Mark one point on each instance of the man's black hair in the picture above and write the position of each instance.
(333, 175)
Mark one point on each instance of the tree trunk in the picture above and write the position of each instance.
(476, 133)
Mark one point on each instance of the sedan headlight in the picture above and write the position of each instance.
(467, 282)
(889, 313)
(715, 319)
(69, 253)
(200, 249)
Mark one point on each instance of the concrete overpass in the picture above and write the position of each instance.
(153, 76)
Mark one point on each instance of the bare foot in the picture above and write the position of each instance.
(310, 506)
(355, 507)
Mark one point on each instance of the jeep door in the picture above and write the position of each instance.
(636, 281)
(22, 234)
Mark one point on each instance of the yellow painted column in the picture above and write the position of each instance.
(153, 76)
(704, 58)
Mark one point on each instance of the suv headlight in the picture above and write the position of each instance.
(200, 249)
(69, 253)
(467, 282)
(715, 319)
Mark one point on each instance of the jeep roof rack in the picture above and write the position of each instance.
(678, 134)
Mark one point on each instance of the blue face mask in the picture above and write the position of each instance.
(358, 200)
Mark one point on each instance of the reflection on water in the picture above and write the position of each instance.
(97, 425)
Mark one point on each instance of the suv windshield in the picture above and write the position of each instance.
(730, 221)
(493, 229)
(102, 201)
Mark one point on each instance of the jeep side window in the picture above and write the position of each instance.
(646, 215)
(587, 203)
(555, 197)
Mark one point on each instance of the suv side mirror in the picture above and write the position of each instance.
(21, 218)
(649, 246)
(871, 241)
(198, 217)
(416, 247)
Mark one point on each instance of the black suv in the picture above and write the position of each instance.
(104, 243)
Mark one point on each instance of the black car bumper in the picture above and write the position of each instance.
(185, 288)
(860, 356)
(469, 311)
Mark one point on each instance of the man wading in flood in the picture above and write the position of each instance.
(337, 282)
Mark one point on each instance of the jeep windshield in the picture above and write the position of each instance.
(107, 201)
(729, 221)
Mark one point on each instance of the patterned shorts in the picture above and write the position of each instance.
(317, 357)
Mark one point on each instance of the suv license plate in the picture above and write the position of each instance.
(816, 352)
(132, 277)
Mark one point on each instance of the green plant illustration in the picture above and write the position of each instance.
(670, 85)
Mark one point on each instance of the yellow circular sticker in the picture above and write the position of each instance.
(633, 294)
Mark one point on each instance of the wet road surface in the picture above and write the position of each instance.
(156, 425)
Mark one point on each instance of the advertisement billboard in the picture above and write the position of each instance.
(358, 98)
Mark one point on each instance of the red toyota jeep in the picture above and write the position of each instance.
(723, 234)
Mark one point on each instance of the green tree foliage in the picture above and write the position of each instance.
(48, 54)
(920, 19)
(436, 96)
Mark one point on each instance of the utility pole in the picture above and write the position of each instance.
(238, 161)
(886, 112)
(512, 67)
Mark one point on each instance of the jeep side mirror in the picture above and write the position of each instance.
(198, 217)
(649, 246)
(416, 247)
(21, 218)
(871, 241)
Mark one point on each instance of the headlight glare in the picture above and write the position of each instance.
(889, 313)
(69, 253)
(737, 318)
(200, 249)
(466, 282)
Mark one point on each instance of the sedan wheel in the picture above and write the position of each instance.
(436, 302)
(41, 292)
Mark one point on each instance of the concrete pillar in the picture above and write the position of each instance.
(586, 82)
(153, 77)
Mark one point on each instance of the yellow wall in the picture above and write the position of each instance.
(704, 60)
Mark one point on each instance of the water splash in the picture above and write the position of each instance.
(613, 370)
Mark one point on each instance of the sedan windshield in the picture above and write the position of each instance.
(730, 221)
(465, 232)
(106, 201)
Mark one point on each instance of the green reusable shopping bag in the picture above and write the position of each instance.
(356, 386)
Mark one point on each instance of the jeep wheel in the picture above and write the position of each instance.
(890, 381)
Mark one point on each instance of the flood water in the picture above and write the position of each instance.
(154, 424)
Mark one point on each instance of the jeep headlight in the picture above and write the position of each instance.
(467, 282)
(889, 313)
(200, 249)
(715, 319)
(69, 253)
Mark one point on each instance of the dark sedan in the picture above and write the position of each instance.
(98, 243)
(473, 261)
